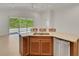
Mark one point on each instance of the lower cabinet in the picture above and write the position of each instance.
(43, 45)
(61, 47)
(34, 46)
(40, 46)
(46, 46)
(24, 45)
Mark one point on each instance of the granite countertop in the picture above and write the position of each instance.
(64, 36)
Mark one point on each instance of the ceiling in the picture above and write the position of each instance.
(36, 6)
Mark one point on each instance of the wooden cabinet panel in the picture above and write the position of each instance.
(40, 46)
(78, 47)
(24, 45)
(73, 48)
(46, 47)
(34, 46)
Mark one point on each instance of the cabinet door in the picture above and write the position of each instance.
(46, 46)
(34, 46)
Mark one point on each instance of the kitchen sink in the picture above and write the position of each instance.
(41, 33)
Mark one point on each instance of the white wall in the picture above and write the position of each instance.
(63, 20)
(3, 23)
(4, 19)
(67, 20)
(43, 19)
(46, 18)
(40, 19)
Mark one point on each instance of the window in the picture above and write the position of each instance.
(20, 25)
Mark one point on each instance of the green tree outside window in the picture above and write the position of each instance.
(14, 23)
(20, 23)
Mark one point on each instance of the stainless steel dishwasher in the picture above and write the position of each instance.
(61, 47)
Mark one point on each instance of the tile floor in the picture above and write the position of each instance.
(9, 45)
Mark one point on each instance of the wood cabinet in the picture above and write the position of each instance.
(47, 45)
(24, 45)
(40, 45)
(34, 46)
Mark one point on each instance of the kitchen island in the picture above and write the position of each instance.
(48, 44)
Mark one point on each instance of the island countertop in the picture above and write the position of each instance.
(64, 36)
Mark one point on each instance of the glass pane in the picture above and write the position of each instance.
(14, 25)
(29, 23)
(22, 26)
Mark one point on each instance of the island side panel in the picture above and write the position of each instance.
(73, 49)
(78, 46)
(24, 45)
